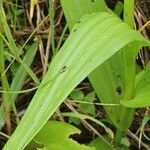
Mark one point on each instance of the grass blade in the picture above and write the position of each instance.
(75, 10)
(111, 87)
(20, 76)
(92, 41)
(110, 70)
(11, 44)
(4, 82)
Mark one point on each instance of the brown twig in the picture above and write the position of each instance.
(136, 139)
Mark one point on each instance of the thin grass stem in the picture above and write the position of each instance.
(52, 25)
(5, 97)
(127, 114)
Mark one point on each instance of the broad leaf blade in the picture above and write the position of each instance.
(82, 117)
(55, 136)
(111, 76)
(75, 9)
(92, 41)
(140, 100)
(110, 86)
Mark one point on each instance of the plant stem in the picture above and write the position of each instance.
(129, 58)
(11, 44)
(129, 53)
(129, 12)
(52, 25)
(61, 38)
(5, 87)
(118, 136)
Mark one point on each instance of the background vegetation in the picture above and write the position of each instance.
(79, 53)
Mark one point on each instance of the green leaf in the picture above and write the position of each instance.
(55, 136)
(142, 90)
(90, 97)
(109, 79)
(85, 107)
(110, 86)
(77, 95)
(75, 9)
(100, 144)
(142, 81)
(144, 121)
(140, 100)
(92, 41)
(12, 46)
(82, 117)
(118, 8)
(125, 142)
(20, 76)
(88, 108)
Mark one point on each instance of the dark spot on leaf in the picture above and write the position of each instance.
(118, 120)
(92, 1)
(40, 106)
(118, 76)
(37, 145)
(119, 90)
(74, 30)
(63, 69)
(79, 21)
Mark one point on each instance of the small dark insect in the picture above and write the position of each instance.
(63, 69)
(92, 1)
(119, 90)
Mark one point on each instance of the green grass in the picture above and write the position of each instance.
(100, 46)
